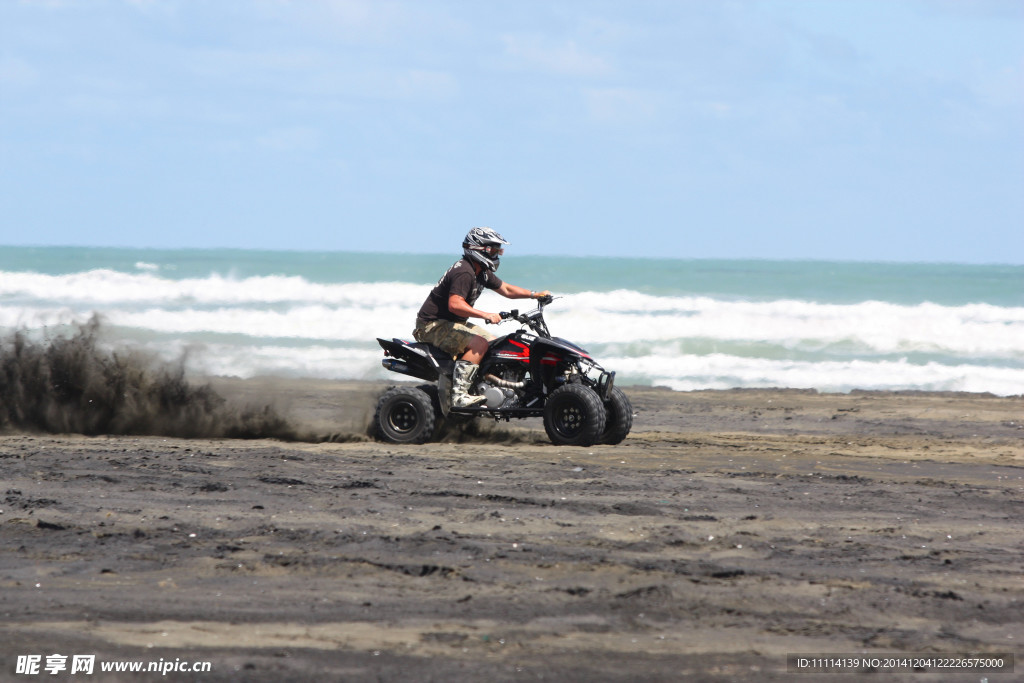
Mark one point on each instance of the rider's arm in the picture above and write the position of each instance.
(460, 307)
(510, 291)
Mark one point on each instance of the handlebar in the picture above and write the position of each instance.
(514, 313)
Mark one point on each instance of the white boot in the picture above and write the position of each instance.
(462, 380)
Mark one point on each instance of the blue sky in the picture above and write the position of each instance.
(823, 129)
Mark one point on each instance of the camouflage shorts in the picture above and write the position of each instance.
(449, 336)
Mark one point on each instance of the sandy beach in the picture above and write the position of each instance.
(729, 530)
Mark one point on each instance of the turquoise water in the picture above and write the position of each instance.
(686, 324)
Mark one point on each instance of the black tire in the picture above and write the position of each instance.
(619, 417)
(405, 415)
(574, 416)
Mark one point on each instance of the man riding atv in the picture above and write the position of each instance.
(443, 319)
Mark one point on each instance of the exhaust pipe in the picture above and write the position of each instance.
(395, 365)
(504, 383)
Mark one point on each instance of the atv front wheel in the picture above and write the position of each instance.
(405, 415)
(619, 417)
(574, 416)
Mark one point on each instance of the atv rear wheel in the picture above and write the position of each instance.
(405, 415)
(574, 416)
(619, 418)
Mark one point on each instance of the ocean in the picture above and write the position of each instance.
(683, 324)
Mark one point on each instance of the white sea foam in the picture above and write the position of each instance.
(309, 361)
(713, 371)
(289, 325)
(925, 328)
(719, 371)
(109, 287)
(878, 326)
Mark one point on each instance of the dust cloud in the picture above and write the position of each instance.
(78, 384)
(74, 384)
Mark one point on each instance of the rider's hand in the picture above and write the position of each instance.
(492, 318)
(541, 295)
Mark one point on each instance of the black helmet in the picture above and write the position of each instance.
(483, 245)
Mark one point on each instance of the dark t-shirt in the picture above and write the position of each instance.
(459, 279)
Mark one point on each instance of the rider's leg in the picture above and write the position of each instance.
(466, 342)
(462, 380)
(465, 371)
(475, 350)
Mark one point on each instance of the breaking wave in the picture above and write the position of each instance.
(292, 326)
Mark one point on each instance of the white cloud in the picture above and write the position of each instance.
(366, 22)
(564, 58)
(247, 64)
(293, 139)
(14, 71)
(1002, 87)
(160, 8)
(429, 85)
(52, 4)
(621, 105)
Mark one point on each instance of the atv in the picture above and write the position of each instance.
(527, 373)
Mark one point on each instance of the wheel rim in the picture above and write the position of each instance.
(569, 419)
(403, 417)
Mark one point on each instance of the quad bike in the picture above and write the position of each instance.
(527, 373)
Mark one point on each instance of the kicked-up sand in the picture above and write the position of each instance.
(730, 531)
